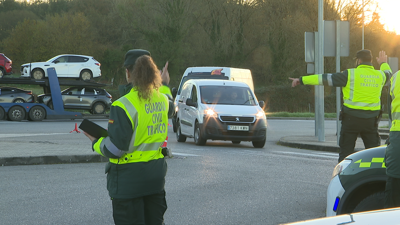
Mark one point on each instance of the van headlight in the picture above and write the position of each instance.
(260, 115)
(210, 113)
(340, 167)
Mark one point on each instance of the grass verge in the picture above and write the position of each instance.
(306, 115)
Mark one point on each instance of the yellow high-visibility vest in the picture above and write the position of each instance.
(395, 109)
(363, 89)
(149, 121)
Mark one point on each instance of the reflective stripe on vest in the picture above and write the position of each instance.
(395, 106)
(155, 111)
(351, 96)
(329, 79)
(395, 115)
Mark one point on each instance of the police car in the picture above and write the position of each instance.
(358, 183)
(385, 216)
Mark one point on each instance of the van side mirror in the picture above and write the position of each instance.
(261, 103)
(190, 102)
(174, 91)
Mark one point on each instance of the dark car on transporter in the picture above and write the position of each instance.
(96, 100)
(15, 95)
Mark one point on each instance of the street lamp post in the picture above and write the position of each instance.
(362, 24)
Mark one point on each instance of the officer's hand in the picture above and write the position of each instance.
(165, 74)
(89, 136)
(382, 58)
(295, 81)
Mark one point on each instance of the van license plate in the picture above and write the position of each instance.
(241, 128)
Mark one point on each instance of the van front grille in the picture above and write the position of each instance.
(237, 119)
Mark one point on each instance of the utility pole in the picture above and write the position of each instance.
(362, 24)
(319, 114)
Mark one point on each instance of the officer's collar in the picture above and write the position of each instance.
(365, 64)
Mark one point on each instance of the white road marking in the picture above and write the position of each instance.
(28, 135)
(182, 154)
(317, 154)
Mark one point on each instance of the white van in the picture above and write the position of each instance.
(220, 110)
(218, 73)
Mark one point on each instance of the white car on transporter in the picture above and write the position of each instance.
(72, 66)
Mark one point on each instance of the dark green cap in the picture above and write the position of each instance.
(132, 55)
(365, 55)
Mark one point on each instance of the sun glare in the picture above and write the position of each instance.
(388, 11)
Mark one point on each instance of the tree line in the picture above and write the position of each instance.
(265, 36)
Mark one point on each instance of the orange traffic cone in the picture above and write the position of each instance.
(164, 145)
(76, 128)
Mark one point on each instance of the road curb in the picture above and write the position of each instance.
(283, 142)
(40, 160)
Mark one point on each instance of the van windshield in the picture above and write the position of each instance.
(227, 95)
(200, 75)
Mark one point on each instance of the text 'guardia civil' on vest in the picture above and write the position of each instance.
(155, 107)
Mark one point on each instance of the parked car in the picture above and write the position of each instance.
(96, 100)
(5, 65)
(220, 110)
(75, 66)
(358, 183)
(15, 95)
(385, 216)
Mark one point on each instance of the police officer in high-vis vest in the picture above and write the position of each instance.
(392, 157)
(361, 89)
(137, 128)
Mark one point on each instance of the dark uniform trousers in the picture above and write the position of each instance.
(353, 126)
(392, 192)
(146, 210)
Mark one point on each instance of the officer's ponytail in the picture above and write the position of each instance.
(145, 77)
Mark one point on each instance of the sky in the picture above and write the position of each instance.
(388, 11)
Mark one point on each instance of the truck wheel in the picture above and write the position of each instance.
(37, 113)
(179, 136)
(198, 137)
(86, 75)
(259, 144)
(37, 74)
(16, 113)
(2, 113)
(371, 202)
(18, 100)
(98, 108)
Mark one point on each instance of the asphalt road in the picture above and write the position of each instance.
(220, 183)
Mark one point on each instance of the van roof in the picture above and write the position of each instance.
(211, 68)
(212, 82)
